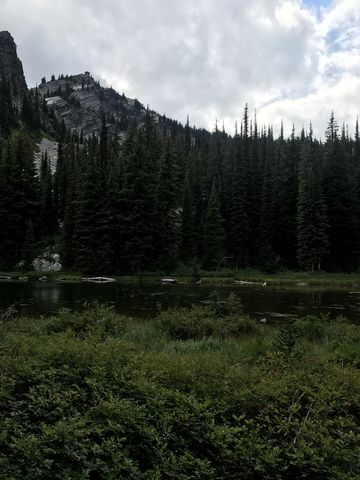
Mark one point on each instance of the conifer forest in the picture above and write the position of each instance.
(163, 194)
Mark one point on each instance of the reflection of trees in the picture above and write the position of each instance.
(316, 297)
(47, 293)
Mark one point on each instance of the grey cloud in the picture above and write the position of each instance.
(205, 58)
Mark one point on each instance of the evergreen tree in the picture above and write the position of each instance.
(339, 190)
(28, 247)
(311, 212)
(85, 205)
(356, 176)
(213, 233)
(136, 220)
(48, 219)
(287, 159)
(8, 120)
(19, 202)
(169, 218)
(267, 258)
(239, 226)
(188, 246)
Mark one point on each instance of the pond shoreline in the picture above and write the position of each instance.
(228, 277)
(145, 298)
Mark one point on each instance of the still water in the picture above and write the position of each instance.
(146, 300)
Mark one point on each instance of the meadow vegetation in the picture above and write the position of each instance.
(205, 393)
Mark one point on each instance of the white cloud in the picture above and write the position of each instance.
(205, 58)
(316, 107)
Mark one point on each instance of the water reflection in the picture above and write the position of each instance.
(51, 293)
(145, 300)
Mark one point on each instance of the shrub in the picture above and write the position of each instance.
(312, 328)
(184, 324)
(94, 400)
(199, 322)
(95, 318)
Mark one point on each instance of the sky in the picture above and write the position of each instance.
(290, 60)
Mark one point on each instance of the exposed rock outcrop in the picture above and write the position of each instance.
(47, 262)
(11, 69)
(79, 101)
(76, 102)
(51, 149)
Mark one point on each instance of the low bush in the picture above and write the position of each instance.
(87, 396)
(199, 322)
(313, 328)
(94, 318)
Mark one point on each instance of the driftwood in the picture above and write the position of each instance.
(98, 279)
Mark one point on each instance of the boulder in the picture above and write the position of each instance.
(47, 262)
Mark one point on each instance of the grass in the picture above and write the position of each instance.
(202, 394)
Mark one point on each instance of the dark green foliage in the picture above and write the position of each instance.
(286, 338)
(48, 214)
(313, 328)
(268, 216)
(96, 395)
(251, 200)
(28, 248)
(167, 231)
(85, 203)
(8, 119)
(339, 190)
(220, 318)
(136, 209)
(239, 231)
(167, 193)
(213, 240)
(19, 202)
(224, 307)
(284, 237)
(188, 246)
(312, 216)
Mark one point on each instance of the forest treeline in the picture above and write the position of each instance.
(162, 196)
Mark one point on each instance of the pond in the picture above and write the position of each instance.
(145, 300)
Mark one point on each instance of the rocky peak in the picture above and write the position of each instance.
(79, 100)
(11, 69)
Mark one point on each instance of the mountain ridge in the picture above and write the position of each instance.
(76, 103)
(80, 101)
(11, 69)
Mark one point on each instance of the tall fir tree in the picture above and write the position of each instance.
(239, 223)
(167, 232)
(311, 211)
(213, 239)
(48, 214)
(188, 245)
(339, 193)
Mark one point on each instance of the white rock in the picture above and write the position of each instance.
(47, 263)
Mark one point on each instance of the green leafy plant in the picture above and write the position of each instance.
(286, 338)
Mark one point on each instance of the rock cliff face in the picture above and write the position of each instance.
(79, 101)
(11, 69)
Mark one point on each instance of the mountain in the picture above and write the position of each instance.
(80, 101)
(11, 70)
(76, 103)
(73, 102)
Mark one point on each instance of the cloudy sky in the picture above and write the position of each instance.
(294, 60)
